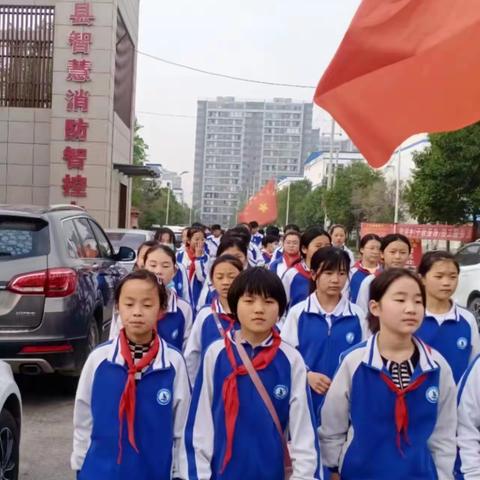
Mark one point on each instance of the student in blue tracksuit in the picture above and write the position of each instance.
(213, 240)
(296, 280)
(447, 327)
(390, 412)
(326, 323)
(395, 251)
(196, 262)
(467, 466)
(133, 394)
(269, 244)
(205, 329)
(369, 264)
(230, 434)
(339, 236)
(291, 254)
(256, 236)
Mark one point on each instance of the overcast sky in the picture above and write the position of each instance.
(283, 41)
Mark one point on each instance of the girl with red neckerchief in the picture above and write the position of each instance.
(291, 254)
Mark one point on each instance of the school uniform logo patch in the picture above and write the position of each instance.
(164, 396)
(280, 392)
(175, 334)
(432, 394)
(462, 343)
(350, 337)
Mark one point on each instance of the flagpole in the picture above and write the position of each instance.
(288, 204)
(397, 190)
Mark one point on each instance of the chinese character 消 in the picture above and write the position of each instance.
(80, 42)
(82, 15)
(79, 70)
(76, 130)
(75, 186)
(77, 101)
(75, 157)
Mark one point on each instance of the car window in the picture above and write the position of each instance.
(103, 243)
(72, 240)
(89, 245)
(468, 255)
(23, 237)
(122, 239)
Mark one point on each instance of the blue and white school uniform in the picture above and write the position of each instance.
(212, 244)
(257, 447)
(321, 337)
(257, 239)
(363, 296)
(202, 266)
(277, 253)
(297, 282)
(205, 331)
(358, 433)
(162, 400)
(467, 466)
(181, 284)
(207, 294)
(174, 327)
(455, 335)
(279, 266)
(358, 273)
(254, 256)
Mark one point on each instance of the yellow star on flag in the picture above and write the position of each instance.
(263, 207)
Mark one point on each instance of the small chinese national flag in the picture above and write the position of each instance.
(262, 207)
(404, 67)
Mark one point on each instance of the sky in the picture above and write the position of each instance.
(282, 41)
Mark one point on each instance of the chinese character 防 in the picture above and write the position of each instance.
(76, 130)
(82, 15)
(75, 186)
(77, 101)
(80, 42)
(79, 70)
(75, 157)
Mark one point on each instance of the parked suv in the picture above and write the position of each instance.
(58, 272)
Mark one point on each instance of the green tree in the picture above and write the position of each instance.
(298, 193)
(140, 156)
(313, 208)
(445, 186)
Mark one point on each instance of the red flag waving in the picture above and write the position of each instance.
(262, 207)
(404, 67)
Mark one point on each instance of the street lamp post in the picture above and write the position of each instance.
(167, 214)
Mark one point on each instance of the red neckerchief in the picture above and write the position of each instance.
(401, 412)
(128, 398)
(300, 268)
(290, 259)
(230, 387)
(191, 268)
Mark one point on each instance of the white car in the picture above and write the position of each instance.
(132, 238)
(468, 290)
(10, 423)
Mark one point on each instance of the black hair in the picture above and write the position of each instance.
(147, 276)
(272, 230)
(242, 229)
(165, 249)
(430, 258)
(257, 281)
(269, 239)
(395, 237)
(291, 226)
(234, 261)
(239, 232)
(253, 224)
(199, 225)
(311, 234)
(369, 236)
(337, 225)
(328, 258)
(192, 231)
(164, 230)
(232, 241)
(215, 226)
(382, 283)
(149, 244)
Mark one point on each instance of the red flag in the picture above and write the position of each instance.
(262, 207)
(404, 67)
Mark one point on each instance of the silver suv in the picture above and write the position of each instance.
(58, 272)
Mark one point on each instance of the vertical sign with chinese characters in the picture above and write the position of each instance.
(79, 69)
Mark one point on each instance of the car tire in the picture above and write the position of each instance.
(9, 446)
(474, 307)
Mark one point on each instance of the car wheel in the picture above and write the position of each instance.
(474, 307)
(9, 446)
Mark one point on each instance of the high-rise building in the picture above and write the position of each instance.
(240, 145)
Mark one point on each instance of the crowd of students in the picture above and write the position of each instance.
(247, 355)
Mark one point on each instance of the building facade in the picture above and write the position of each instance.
(67, 87)
(240, 145)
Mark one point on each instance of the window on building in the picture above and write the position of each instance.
(26, 56)
(124, 69)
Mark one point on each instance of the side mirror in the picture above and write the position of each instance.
(125, 254)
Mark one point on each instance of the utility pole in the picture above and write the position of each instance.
(168, 204)
(288, 204)
(330, 168)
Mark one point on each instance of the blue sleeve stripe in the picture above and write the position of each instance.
(464, 379)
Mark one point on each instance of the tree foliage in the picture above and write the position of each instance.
(445, 186)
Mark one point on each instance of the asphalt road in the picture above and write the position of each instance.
(46, 441)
